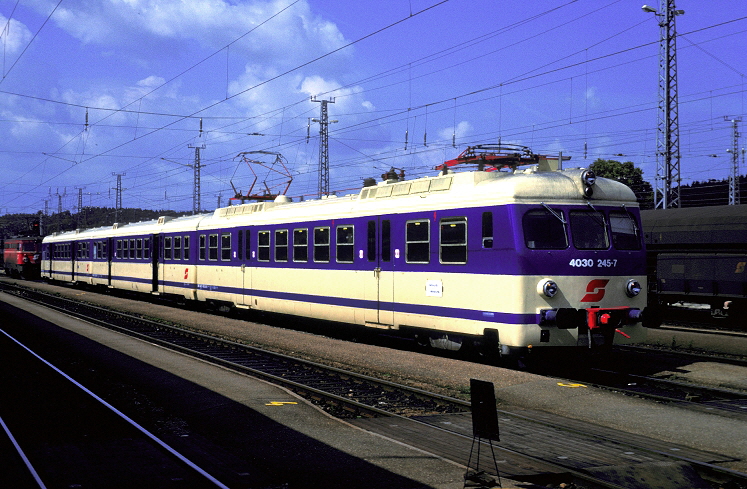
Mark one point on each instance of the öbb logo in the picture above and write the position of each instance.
(595, 290)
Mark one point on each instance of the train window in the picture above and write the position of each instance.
(589, 230)
(132, 248)
(225, 246)
(139, 249)
(386, 240)
(146, 248)
(453, 240)
(301, 245)
(125, 249)
(345, 249)
(185, 247)
(321, 245)
(281, 245)
(203, 246)
(544, 230)
(119, 249)
(263, 245)
(177, 248)
(417, 241)
(213, 247)
(625, 235)
(487, 229)
(371, 241)
(167, 247)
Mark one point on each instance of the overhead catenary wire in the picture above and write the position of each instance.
(427, 105)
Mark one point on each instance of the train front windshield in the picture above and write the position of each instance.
(30, 246)
(545, 229)
(589, 230)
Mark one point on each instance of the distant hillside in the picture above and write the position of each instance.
(89, 217)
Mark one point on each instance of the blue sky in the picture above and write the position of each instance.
(408, 78)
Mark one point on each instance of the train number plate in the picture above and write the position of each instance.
(591, 262)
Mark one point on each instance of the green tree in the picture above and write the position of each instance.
(628, 174)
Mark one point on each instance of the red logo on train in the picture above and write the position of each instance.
(595, 290)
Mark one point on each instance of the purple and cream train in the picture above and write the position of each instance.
(505, 261)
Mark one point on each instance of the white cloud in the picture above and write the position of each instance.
(293, 35)
(14, 36)
(462, 130)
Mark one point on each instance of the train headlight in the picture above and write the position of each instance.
(547, 287)
(633, 287)
(588, 179)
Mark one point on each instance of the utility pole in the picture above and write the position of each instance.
(667, 188)
(196, 191)
(59, 206)
(324, 123)
(80, 199)
(734, 150)
(81, 218)
(118, 205)
(59, 199)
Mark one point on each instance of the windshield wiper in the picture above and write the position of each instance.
(553, 212)
(597, 218)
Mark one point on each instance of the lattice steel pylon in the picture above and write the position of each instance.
(196, 191)
(118, 198)
(667, 185)
(734, 150)
(324, 123)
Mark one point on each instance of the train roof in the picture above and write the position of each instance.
(454, 190)
(693, 226)
(449, 191)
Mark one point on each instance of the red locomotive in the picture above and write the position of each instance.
(22, 257)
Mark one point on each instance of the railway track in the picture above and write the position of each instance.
(726, 401)
(645, 371)
(45, 412)
(341, 393)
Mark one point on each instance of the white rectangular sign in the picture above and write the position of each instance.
(434, 288)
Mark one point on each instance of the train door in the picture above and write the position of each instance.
(109, 259)
(379, 282)
(73, 255)
(245, 253)
(154, 261)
